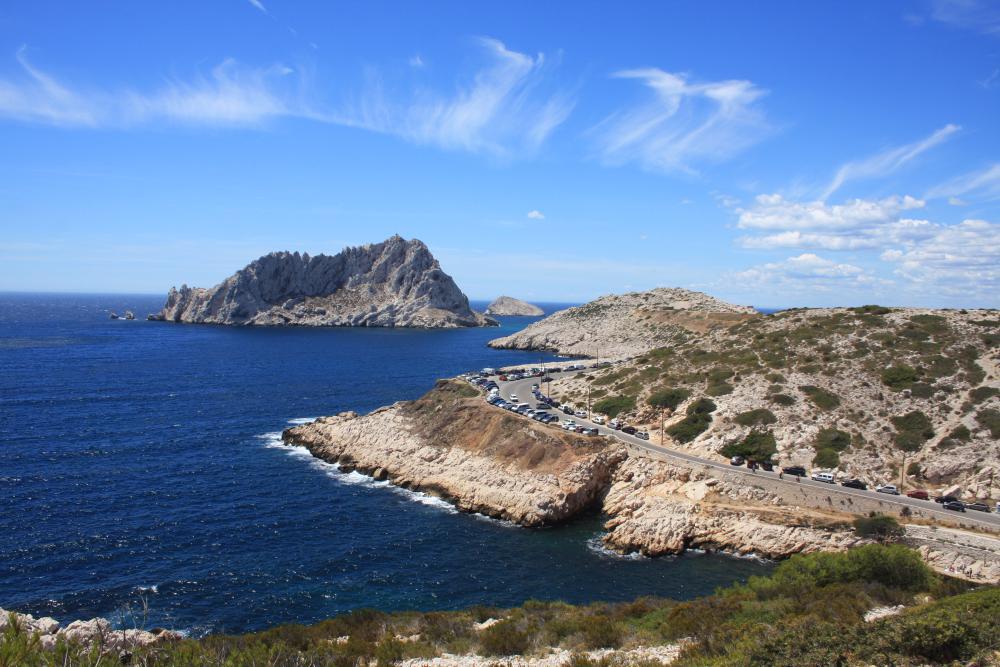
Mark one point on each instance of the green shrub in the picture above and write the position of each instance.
(719, 389)
(826, 458)
(782, 399)
(615, 405)
(697, 421)
(756, 446)
(600, 631)
(980, 394)
(504, 638)
(912, 430)
(960, 432)
(761, 416)
(832, 438)
(668, 397)
(989, 418)
(921, 390)
(879, 527)
(822, 398)
(899, 377)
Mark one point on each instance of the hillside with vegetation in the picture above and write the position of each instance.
(859, 390)
(871, 605)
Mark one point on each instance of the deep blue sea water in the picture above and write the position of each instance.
(141, 459)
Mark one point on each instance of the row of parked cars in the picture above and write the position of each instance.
(948, 502)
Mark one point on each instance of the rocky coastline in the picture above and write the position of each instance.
(96, 634)
(396, 283)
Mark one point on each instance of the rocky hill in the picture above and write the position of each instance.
(396, 283)
(869, 392)
(623, 325)
(509, 306)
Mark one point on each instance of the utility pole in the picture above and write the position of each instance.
(662, 413)
(902, 472)
(588, 400)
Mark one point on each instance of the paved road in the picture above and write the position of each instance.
(522, 388)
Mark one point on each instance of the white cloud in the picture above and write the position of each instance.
(962, 259)
(984, 184)
(888, 161)
(258, 5)
(979, 15)
(416, 61)
(231, 95)
(807, 272)
(955, 201)
(536, 215)
(501, 112)
(684, 123)
(856, 224)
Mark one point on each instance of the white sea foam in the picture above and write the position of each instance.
(302, 420)
(148, 589)
(596, 544)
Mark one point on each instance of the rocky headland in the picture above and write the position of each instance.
(624, 325)
(396, 283)
(509, 306)
(484, 459)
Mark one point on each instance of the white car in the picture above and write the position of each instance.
(569, 424)
(823, 477)
(598, 419)
(888, 488)
(513, 398)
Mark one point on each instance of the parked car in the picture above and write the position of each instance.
(855, 484)
(546, 379)
(767, 465)
(629, 429)
(825, 477)
(795, 471)
(598, 419)
(567, 410)
(919, 494)
(589, 431)
(643, 435)
(888, 488)
(580, 413)
(945, 499)
(737, 461)
(955, 506)
(568, 424)
(513, 397)
(615, 424)
(534, 386)
(979, 507)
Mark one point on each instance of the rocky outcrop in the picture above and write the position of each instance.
(657, 508)
(509, 306)
(624, 325)
(96, 633)
(483, 459)
(396, 283)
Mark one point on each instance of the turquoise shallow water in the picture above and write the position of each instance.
(139, 459)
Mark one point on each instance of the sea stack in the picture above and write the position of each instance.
(509, 306)
(396, 283)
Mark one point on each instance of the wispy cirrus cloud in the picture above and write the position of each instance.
(258, 5)
(684, 123)
(509, 107)
(884, 163)
(979, 15)
(983, 184)
(230, 95)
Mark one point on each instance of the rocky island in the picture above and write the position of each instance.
(396, 283)
(509, 306)
(623, 325)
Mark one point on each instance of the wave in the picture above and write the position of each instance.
(298, 421)
(596, 544)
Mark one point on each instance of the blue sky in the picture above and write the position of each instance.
(777, 154)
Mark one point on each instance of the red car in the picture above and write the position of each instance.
(919, 494)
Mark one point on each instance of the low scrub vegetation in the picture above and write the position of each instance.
(912, 430)
(615, 405)
(822, 398)
(760, 416)
(669, 397)
(756, 446)
(696, 422)
(808, 611)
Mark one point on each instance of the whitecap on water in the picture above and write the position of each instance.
(596, 544)
(302, 420)
(148, 589)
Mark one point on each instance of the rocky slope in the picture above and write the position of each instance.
(851, 390)
(396, 283)
(95, 634)
(509, 306)
(485, 460)
(623, 325)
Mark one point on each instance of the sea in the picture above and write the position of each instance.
(142, 478)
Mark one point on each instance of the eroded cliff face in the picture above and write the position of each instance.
(624, 325)
(396, 283)
(481, 458)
